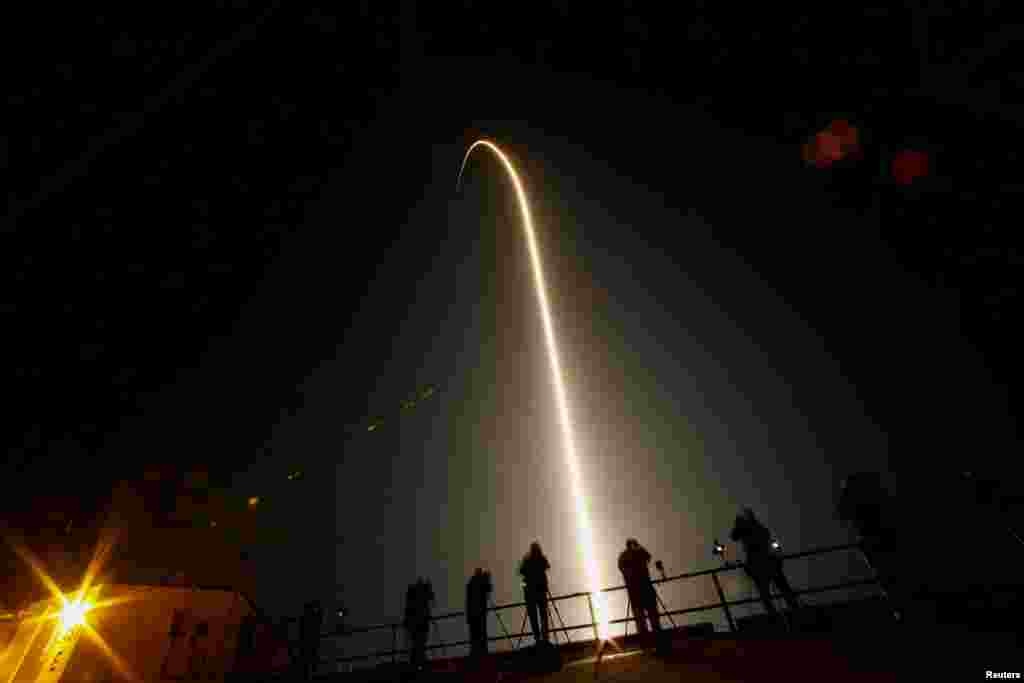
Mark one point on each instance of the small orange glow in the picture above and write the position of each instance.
(254, 501)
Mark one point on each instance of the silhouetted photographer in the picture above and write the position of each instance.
(763, 563)
(533, 569)
(634, 564)
(478, 589)
(418, 600)
(310, 626)
(864, 504)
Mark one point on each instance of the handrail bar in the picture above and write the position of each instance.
(578, 627)
(732, 566)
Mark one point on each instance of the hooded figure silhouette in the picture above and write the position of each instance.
(763, 565)
(534, 569)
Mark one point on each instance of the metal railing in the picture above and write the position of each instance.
(722, 604)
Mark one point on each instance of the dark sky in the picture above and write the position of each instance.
(273, 251)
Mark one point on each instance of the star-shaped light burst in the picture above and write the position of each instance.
(75, 607)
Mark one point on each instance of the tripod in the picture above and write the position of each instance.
(550, 603)
(664, 608)
(437, 632)
(501, 622)
(410, 642)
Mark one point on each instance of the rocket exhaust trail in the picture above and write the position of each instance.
(568, 441)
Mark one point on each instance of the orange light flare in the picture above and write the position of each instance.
(119, 663)
(34, 564)
(583, 526)
(76, 607)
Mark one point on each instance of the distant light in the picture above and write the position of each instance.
(254, 501)
(294, 475)
(775, 545)
(371, 427)
(838, 141)
(909, 165)
(213, 523)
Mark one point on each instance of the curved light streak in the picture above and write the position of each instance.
(568, 441)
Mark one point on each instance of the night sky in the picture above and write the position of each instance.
(274, 253)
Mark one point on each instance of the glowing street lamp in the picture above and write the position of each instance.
(73, 613)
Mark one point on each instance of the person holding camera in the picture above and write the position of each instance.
(763, 565)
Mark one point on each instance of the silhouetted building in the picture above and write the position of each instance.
(169, 528)
(59, 532)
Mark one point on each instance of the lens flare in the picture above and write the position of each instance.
(75, 606)
(565, 421)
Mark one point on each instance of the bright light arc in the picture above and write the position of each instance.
(569, 444)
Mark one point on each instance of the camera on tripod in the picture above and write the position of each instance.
(341, 613)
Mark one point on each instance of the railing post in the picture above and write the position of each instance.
(593, 618)
(437, 630)
(724, 602)
(629, 608)
(501, 621)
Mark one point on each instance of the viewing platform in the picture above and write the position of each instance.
(883, 653)
(860, 638)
